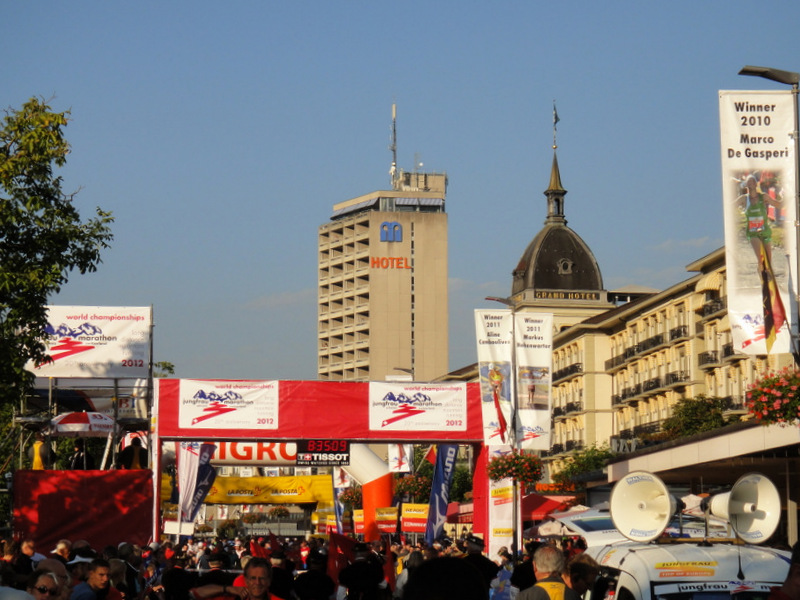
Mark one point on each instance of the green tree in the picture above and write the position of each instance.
(694, 415)
(42, 237)
(582, 462)
(163, 369)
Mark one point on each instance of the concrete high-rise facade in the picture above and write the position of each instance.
(382, 283)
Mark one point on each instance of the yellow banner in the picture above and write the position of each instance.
(271, 490)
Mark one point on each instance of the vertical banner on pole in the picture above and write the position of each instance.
(501, 509)
(440, 491)
(758, 194)
(533, 345)
(494, 332)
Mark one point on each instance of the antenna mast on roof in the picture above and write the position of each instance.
(393, 147)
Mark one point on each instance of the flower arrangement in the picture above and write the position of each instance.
(351, 497)
(776, 398)
(522, 468)
(278, 512)
(251, 518)
(416, 486)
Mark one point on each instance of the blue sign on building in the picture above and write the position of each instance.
(391, 231)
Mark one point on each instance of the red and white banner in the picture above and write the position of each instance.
(386, 519)
(758, 193)
(533, 334)
(97, 341)
(311, 410)
(418, 407)
(413, 518)
(219, 405)
(494, 332)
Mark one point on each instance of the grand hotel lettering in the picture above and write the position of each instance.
(391, 231)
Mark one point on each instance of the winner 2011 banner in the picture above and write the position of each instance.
(520, 400)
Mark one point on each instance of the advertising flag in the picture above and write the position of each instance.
(759, 206)
(440, 490)
(206, 474)
(533, 333)
(400, 457)
(494, 331)
(414, 517)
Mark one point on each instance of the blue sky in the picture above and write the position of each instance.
(221, 134)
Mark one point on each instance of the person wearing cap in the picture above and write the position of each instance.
(548, 564)
(315, 583)
(485, 566)
(790, 590)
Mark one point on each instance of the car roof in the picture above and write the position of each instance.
(667, 564)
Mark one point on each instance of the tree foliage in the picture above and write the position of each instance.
(583, 461)
(695, 415)
(42, 236)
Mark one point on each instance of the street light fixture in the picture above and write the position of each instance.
(793, 79)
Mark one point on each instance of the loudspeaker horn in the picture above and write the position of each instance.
(752, 507)
(641, 506)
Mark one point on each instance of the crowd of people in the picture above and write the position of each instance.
(292, 569)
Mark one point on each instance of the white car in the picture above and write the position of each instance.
(687, 571)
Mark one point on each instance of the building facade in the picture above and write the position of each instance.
(382, 283)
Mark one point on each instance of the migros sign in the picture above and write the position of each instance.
(391, 231)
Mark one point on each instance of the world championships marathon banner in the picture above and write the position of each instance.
(417, 407)
(209, 404)
(97, 341)
(758, 193)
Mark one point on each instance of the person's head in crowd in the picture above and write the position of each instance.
(59, 569)
(28, 548)
(97, 577)
(548, 560)
(43, 585)
(257, 578)
(62, 549)
(445, 578)
(116, 572)
(582, 571)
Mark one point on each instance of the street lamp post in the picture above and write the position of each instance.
(792, 79)
(515, 545)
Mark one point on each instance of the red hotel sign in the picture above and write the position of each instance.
(389, 262)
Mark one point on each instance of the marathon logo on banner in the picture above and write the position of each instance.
(228, 405)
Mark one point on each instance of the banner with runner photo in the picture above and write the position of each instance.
(758, 194)
(533, 333)
(494, 332)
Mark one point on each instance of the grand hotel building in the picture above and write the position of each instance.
(622, 359)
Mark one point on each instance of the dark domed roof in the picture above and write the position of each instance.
(557, 258)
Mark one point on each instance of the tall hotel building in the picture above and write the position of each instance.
(382, 290)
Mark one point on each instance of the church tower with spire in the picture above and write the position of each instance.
(558, 272)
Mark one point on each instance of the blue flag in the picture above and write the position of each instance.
(440, 491)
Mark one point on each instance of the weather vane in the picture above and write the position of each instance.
(555, 123)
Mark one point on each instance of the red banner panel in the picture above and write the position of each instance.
(101, 507)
